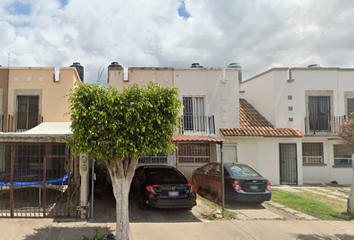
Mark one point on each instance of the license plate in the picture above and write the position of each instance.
(254, 187)
(173, 193)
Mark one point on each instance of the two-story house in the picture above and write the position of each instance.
(313, 100)
(210, 99)
(34, 130)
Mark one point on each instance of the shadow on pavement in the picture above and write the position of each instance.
(54, 233)
(104, 211)
(241, 205)
(323, 237)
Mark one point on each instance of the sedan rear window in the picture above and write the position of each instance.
(164, 176)
(242, 171)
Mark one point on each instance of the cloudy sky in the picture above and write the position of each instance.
(258, 34)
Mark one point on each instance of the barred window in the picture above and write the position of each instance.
(342, 156)
(159, 158)
(312, 153)
(193, 152)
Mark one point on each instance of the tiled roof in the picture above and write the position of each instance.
(253, 124)
(185, 138)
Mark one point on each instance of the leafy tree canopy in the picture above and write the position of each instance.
(108, 124)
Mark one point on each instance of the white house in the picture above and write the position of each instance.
(211, 100)
(313, 100)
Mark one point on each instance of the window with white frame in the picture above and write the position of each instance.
(155, 159)
(342, 156)
(193, 152)
(312, 153)
(193, 113)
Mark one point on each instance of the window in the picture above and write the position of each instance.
(312, 153)
(193, 113)
(29, 156)
(342, 156)
(319, 113)
(159, 158)
(350, 106)
(193, 153)
(27, 112)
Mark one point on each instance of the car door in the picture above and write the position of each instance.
(199, 177)
(213, 181)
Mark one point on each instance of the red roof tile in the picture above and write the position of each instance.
(253, 124)
(185, 138)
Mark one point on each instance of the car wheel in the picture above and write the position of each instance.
(142, 205)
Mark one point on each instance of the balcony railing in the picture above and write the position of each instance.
(192, 124)
(323, 124)
(23, 122)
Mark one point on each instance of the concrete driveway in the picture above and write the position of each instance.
(104, 211)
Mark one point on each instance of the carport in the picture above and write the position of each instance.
(105, 207)
(38, 177)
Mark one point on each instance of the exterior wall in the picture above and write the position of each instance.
(326, 173)
(39, 81)
(4, 74)
(140, 76)
(285, 104)
(188, 168)
(262, 154)
(221, 98)
(260, 93)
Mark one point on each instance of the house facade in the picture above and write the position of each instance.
(210, 99)
(34, 130)
(315, 101)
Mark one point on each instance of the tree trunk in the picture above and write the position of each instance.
(122, 175)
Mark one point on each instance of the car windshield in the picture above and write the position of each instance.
(242, 171)
(164, 176)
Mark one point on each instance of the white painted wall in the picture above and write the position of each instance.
(260, 93)
(188, 168)
(221, 98)
(262, 154)
(327, 173)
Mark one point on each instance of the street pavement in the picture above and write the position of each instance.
(33, 229)
(252, 221)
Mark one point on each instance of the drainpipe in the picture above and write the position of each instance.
(222, 180)
(93, 178)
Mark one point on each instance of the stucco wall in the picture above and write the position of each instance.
(221, 98)
(260, 93)
(188, 168)
(32, 81)
(326, 173)
(262, 154)
(141, 76)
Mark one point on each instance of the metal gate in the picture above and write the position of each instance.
(36, 181)
(288, 163)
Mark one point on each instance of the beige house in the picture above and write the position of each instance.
(34, 130)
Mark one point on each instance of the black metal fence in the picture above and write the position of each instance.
(23, 122)
(197, 124)
(323, 124)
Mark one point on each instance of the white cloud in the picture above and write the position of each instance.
(258, 34)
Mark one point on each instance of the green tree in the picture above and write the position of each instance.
(347, 135)
(119, 127)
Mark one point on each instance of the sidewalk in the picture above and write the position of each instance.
(31, 229)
